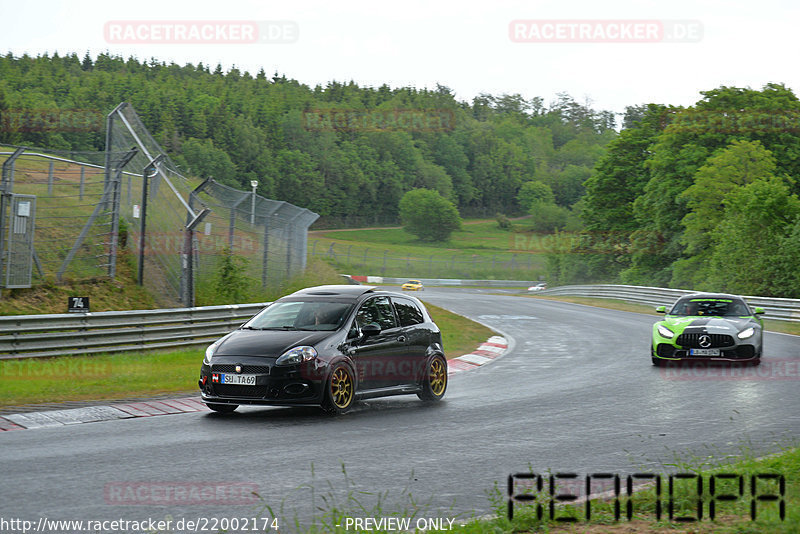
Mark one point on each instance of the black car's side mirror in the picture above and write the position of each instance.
(370, 329)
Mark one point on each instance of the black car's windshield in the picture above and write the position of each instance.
(301, 315)
(710, 307)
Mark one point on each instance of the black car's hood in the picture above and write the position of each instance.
(269, 343)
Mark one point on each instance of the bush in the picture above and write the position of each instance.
(548, 217)
(428, 215)
(502, 222)
(230, 281)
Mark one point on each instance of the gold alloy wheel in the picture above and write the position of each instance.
(438, 377)
(341, 388)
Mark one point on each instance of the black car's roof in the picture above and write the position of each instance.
(342, 290)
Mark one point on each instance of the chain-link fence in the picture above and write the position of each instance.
(270, 234)
(56, 217)
(68, 215)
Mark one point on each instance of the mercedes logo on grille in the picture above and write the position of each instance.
(704, 341)
(238, 368)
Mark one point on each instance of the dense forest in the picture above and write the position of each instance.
(703, 197)
(236, 127)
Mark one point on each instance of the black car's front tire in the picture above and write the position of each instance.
(434, 384)
(340, 389)
(222, 408)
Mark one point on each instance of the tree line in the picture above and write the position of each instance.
(703, 197)
(341, 150)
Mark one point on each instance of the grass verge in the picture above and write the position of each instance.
(459, 334)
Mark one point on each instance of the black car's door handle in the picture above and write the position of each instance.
(401, 339)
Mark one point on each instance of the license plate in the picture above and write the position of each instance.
(703, 352)
(241, 380)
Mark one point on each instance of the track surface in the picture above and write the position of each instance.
(575, 392)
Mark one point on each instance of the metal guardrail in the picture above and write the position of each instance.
(30, 336)
(775, 308)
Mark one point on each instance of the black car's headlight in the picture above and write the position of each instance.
(297, 355)
(746, 333)
(665, 332)
(210, 351)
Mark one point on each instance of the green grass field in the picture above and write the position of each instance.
(480, 250)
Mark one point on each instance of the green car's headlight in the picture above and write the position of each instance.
(297, 355)
(748, 332)
(665, 332)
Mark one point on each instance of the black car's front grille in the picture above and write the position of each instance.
(714, 341)
(246, 369)
(226, 390)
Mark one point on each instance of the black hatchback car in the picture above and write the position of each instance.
(327, 346)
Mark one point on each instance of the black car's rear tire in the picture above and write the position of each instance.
(434, 383)
(222, 408)
(340, 390)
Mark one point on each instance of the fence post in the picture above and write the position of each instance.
(83, 183)
(265, 254)
(187, 257)
(116, 204)
(50, 179)
(149, 170)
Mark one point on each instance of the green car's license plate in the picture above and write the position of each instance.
(241, 380)
(703, 352)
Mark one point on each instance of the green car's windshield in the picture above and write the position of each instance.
(301, 315)
(710, 307)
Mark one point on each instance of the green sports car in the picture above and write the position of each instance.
(708, 326)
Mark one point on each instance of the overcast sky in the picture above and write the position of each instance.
(465, 45)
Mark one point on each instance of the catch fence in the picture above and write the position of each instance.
(75, 215)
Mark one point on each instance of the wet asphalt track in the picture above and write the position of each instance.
(575, 392)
